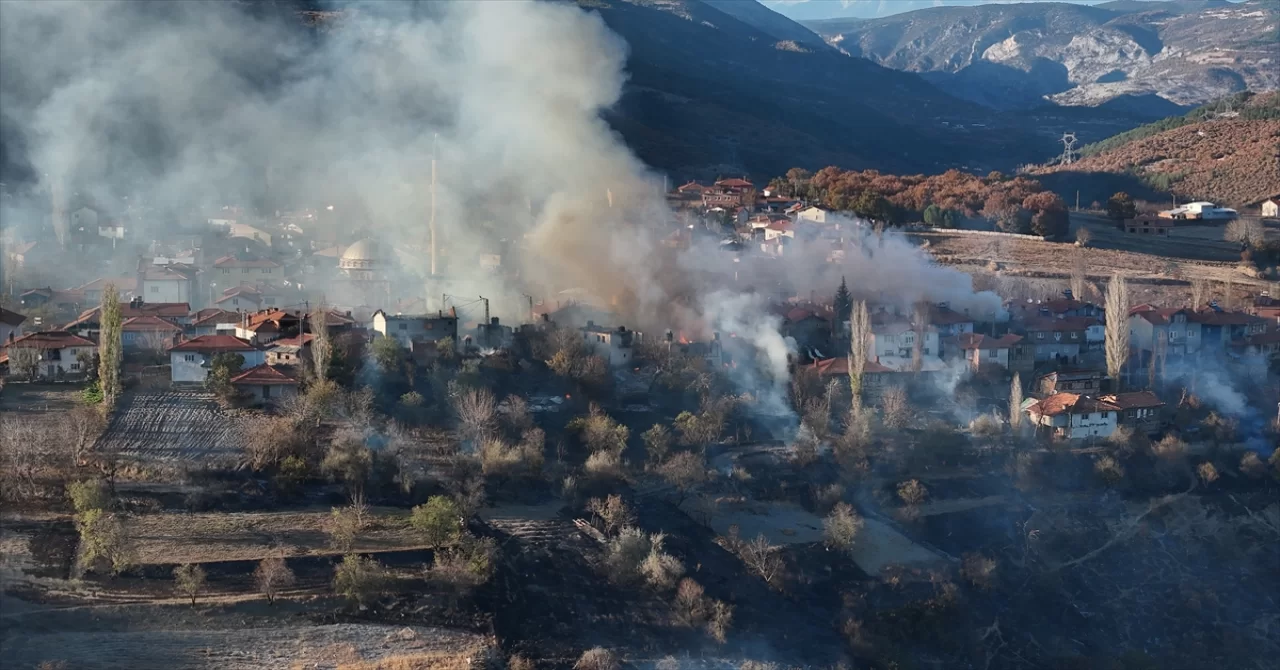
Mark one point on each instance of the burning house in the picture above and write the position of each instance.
(616, 345)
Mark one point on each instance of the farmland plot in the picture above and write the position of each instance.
(173, 426)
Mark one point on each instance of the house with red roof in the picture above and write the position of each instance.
(148, 333)
(189, 361)
(210, 320)
(289, 350)
(265, 384)
(175, 283)
(48, 354)
(1140, 410)
(1168, 329)
(89, 321)
(244, 266)
(876, 378)
(1073, 416)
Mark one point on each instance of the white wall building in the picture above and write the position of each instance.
(190, 360)
(1074, 417)
(615, 345)
(421, 328)
(50, 354)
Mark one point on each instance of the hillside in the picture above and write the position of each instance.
(1235, 161)
(1018, 55)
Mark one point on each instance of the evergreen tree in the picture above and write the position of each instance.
(843, 302)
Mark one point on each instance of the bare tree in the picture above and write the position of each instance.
(110, 352)
(476, 410)
(685, 471)
(188, 580)
(859, 343)
(271, 575)
(1199, 291)
(24, 362)
(840, 529)
(1248, 232)
(1229, 293)
(1015, 402)
(1083, 236)
(614, 514)
(895, 407)
(1117, 327)
(762, 558)
(322, 345)
(1079, 273)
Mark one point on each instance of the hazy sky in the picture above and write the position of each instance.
(826, 9)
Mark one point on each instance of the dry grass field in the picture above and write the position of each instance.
(174, 537)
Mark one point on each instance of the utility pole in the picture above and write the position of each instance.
(1077, 200)
(432, 224)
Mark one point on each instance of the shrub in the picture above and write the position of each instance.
(685, 471)
(188, 580)
(359, 579)
(518, 662)
(825, 498)
(103, 543)
(343, 526)
(690, 605)
(720, 621)
(985, 426)
(604, 465)
(1109, 469)
(469, 563)
(1208, 473)
(1251, 465)
(439, 520)
(912, 492)
(661, 569)
(625, 554)
(613, 513)
(840, 529)
(979, 570)
(598, 658)
(89, 494)
(657, 442)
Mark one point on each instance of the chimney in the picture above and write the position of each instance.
(591, 324)
(493, 321)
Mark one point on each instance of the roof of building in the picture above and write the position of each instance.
(363, 250)
(1047, 324)
(51, 339)
(1216, 317)
(1074, 375)
(211, 316)
(296, 342)
(148, 324)
(11, 318)
(1258, 339)
(945, 316)
(167, 273)
(1156, 316)
(169, 310)
(1069, 403)
(734, 183)
(247, 292)
(254, 262)
(207, 343)
(1132, 400)
(265, 375)
(128, 284)
(334, 251)
(972, 341)
(839, 365)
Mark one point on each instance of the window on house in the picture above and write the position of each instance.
(190, 358)
(226, 271)
(266, 271)
(404, 326)
(1039, 336)
(244, 271)
(75, 367)
(155, 289)
(1191, 333)
(1075, 336)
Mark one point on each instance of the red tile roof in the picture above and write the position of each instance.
(148, 324)
(1156, 316)
(1069, 403)
(214, 343)
(264, 374)
(170, 310)
(122, 284)
(839, 365)
(299, 341)
(1213, 317)
(734, 183)
(976, 341)
(945, 316)
(51, 339)
(1057, 325)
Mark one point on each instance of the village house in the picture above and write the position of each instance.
(730, 193)
(1270, 208)
(1219, 328)
(1058, 339)
(949, 322)
(1139, 410)
(249, 297)
(268, 325)
(189, 361)
(88, 323)
(49, 354)
(1266, 307)
(241, 266)
(810, 328)
(289, 350)
(615, 345)
(420, 329)
(63, 302)
(893, 343)
(166, 283)
(815, 215)
(1083, 382)
(126, 288)
(266, 385)
(1168, 332)
(1148, 224)
(1074, 416)
(148, 333)
(983, 351)
(249, 232)
(876, 378)
(490, 335)
(208, 320)
(10, 325)
(1058, 308)
(1265, 345)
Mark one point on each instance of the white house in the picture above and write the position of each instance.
(149, 333)
(47, 354)
(190, 360)
(613, 344)
(1271, 208)
(1073, 416)
(167, 283)
(981, 351)
(816, 215)
(893, 344)
(1169, 329)
(10, 325)
(421, 328)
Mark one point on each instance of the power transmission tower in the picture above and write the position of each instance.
(1068, 148)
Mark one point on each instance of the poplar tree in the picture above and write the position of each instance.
(110, 320)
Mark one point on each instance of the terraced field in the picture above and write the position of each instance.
(173, 426)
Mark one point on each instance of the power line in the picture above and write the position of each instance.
(1068, 148)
